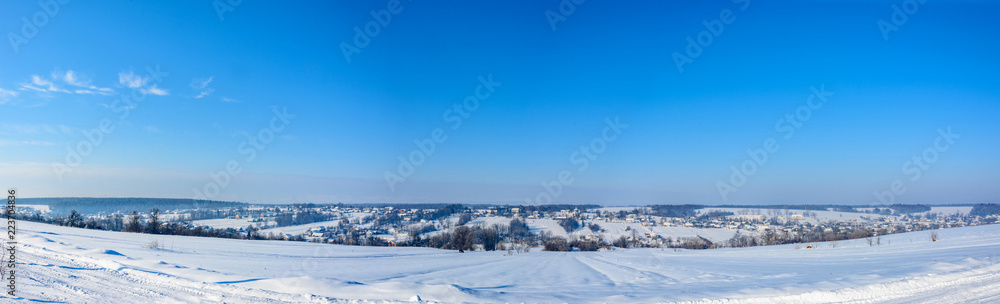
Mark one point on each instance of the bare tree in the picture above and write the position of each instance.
(464, 218)
(489, 237)
(462, 238)
(557, 244)
(154, 221)
(75, 219)
(621, 242)
(133, 223)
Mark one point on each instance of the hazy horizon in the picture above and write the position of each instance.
(515, 203)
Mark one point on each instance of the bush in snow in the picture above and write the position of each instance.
(489, 237)
(585, 245)
(462, 238)
(621, 242)
(557, 244)
(569, 224)
(464, 218)
(595, 228)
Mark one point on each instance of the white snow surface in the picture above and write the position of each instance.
(950, 210)
(229, 223)
(299, 229)
(39, 208)
(71, 265)
(612, 230)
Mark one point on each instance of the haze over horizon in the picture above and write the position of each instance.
(484, 102)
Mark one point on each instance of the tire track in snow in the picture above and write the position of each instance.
(74, 279)
(980, 285)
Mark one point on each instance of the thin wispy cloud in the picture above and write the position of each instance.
(120, 107)
(204, 93)
(6, 95)
(74, 79)
(48, 85)
(151, 129)
(227, 99)
(130, 80)
(34, 129)
(40, 84)
(71, 82)
(155, 90)
(201, 85)
(4, 142)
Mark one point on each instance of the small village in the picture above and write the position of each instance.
(708, 227)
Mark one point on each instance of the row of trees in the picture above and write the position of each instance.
(778, 238)
(985, 210)
(561, 244)
(466, 238)
(94, 205)
(301, 218)
(463, 237)
(153, 224)
(569, 224)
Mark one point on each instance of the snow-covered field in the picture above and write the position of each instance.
(950, 210)
(298, 229)
(229, 223)
(612, 230)
(59, 264)
(40, 208)
(821, 216)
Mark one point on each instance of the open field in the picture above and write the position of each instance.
(72, 265)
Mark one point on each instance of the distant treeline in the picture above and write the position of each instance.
(398, 206)
(529, 208)
(554, 207)
(898, 208)
(153, 224)
(792, 207)
(675, 210)
(93, 205)
(985, 210)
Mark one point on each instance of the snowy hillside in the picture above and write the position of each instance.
(613, 230)
(61, 264)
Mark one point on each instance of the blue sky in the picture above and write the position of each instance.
(226, 70)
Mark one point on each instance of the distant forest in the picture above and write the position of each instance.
(985, 210)
(62, 206)
(94, 205)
